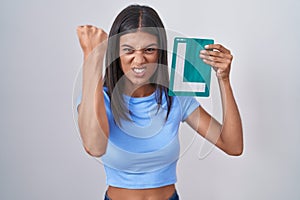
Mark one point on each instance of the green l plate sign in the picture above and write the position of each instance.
(190, 76)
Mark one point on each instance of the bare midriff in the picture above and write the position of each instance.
(161, 193)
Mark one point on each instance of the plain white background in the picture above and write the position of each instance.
(40, 150)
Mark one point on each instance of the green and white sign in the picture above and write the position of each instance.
(190, 76)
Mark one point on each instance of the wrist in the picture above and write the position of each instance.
(86, 54)
(224, 80)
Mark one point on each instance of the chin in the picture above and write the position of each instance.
(138, 81)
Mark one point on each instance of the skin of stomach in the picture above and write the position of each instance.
(161, 193)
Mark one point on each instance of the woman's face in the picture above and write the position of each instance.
(139, 56)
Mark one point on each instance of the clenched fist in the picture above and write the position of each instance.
(90, 37)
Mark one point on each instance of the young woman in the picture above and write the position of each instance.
(127, 117)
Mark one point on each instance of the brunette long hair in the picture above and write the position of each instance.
(132, 19)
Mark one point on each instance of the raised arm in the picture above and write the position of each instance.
(229, 135)
(92, 118)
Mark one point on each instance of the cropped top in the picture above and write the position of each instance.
(143, 152)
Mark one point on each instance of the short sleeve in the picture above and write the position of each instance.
(188, 105)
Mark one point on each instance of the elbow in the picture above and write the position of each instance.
(95, 152)
(97, 149)
(234, 147)
(94, 140)
(237, 151)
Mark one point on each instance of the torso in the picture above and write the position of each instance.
(138, 168)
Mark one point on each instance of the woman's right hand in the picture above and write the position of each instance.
(90, 37)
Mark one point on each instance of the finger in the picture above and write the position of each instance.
(215, 54)
(99, 31)
(218, 47)
(82, 29)
(215, 65)
(93, 29)
(214, 58)
(85, 27)
(88, 26)
(80, 26)
(224, 65)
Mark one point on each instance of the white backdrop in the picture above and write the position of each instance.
(40, 151)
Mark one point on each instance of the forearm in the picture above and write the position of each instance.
(231, 132)
(92, 119)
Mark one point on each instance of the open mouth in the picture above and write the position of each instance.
(139, 70)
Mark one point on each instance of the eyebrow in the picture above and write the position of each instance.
(150, 45)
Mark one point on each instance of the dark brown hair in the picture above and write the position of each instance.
(132, 19)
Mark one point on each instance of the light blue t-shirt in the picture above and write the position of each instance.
(143, 152)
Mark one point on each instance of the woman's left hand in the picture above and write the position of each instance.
(219, 58)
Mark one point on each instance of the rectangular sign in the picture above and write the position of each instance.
(190, 76)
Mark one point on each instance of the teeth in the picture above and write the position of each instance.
(138, 70)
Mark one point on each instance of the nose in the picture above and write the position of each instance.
(139, 57)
